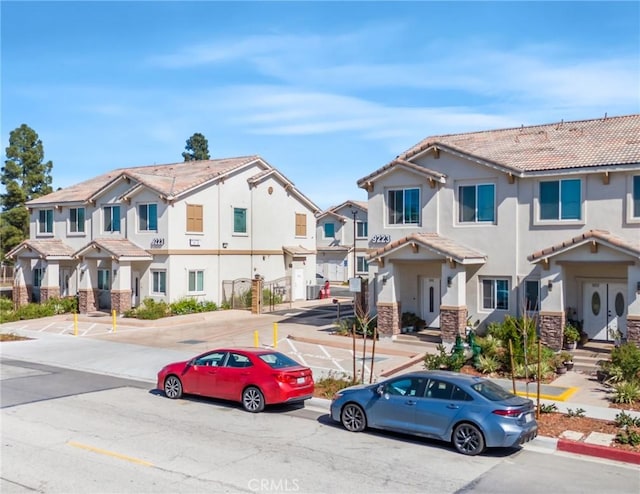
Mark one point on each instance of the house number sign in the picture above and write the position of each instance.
(381, 239)
(157, 242)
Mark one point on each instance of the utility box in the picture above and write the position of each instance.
(313, 292)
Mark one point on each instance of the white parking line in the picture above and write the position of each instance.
(296, 352)
(86, 331)
(333, 359)
(47, 326)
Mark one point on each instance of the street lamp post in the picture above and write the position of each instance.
(354, 213)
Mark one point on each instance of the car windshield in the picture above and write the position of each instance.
(491, 391)
(278, 360)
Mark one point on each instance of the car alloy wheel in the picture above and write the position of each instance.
(468, 439)
(253, 400)
(173, 387)
(353, 418)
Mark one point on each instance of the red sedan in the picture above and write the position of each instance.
(254, 377)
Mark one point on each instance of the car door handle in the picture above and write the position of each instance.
(452, 406)
(410, 402)
(245, 373)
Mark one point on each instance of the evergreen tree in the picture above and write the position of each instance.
(25, 176)
(197, 148)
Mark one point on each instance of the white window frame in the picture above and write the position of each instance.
(195, 290)
(42, 226)
(631, 218)
(494, 281)
(324, 230)
(162, 273)
(245, 233)
(402, 224)
(524, 295)
(538, 207)
(147, 230)
(77, 223)
(111, 208)
(362, 229)
(459, 204)
(361, 262)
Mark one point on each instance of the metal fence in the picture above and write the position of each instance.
(276, 294)
(236, 294)
(6, 275)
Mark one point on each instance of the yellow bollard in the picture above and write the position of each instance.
(75, 324)
(256, 340)
(275, 335)
(113, 312)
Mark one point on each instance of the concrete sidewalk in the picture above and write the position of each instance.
(138, 349)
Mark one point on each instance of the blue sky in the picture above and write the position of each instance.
(326, 92)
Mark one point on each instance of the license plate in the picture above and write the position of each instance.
(301, 380)
(528, 417)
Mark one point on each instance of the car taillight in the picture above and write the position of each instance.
(286, 378)
(507, 413)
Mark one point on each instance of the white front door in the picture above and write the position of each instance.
(65, 275)
(430, 296)
(605, 309)
(298, 284)
(135, 289)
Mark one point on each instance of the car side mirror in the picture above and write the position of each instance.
(380, 389)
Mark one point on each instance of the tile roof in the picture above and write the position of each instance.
(46, 248)
(333, 248)
(169, 180)
(117, 247)
(562, 145)
(436, 243)
(363, 205)
(297, 250)
(601, 236)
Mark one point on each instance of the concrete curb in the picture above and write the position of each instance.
(348, 345)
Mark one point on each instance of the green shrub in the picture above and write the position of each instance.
(192, 306)
(332, 383)
(626, 357)
(487, 364)
(516, 330)
(345, 326)
(624, 419)
(551, 408)
(6, 304)
(571, 334)
(626, 392)
(629, 436)
(271, 297)
(489, 346)
(443, 360)
(578, 412)
(150, 309)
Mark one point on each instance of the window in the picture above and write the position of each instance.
(111, 215)
(477, 203)
(329, 230)
(76, 220)
(362, 229)
(159, 282)
(194, 218)
(362, 264)
(38, 274)
(560, 200)
(403, 207)
(148, 217)
(531, 295)
(196, 281)
(495, 294)
(301, 225)
(636, 196)
(215, 359)
(46, 221)
(405, 386)
(440, 390)
(239, 220)
(103, 279)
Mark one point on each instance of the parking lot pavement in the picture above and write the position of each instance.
(305, 335)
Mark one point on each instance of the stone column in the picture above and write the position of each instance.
(21, 289)
(633, 330)
(50, 287)
(453, 322)
(121, 287)
(256, 295)
(389, 319)
(453, 308)
(87, 294)
(552, 329)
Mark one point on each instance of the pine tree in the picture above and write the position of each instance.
(197, 148)
(25, 176)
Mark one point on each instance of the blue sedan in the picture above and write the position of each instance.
(471, 412)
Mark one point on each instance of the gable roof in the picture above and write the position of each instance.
(604, 142)
(45, 249)
(443, 246)
(119, 248)
(598, 236)
(169, 181)
(333, 210)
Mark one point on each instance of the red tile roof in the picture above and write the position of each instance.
(45, 248)
(599, 236)
(116, 247)
(600, 142)
(436, 243)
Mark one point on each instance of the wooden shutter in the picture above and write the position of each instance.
(301, 225)
(194, 218)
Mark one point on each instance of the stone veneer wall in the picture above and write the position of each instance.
(453, 322)
(551, 329)
(47, 292)
(21, 295)
(87, 301)
(633, 330)
(120, 300)
(388, 319)
(256, 296)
